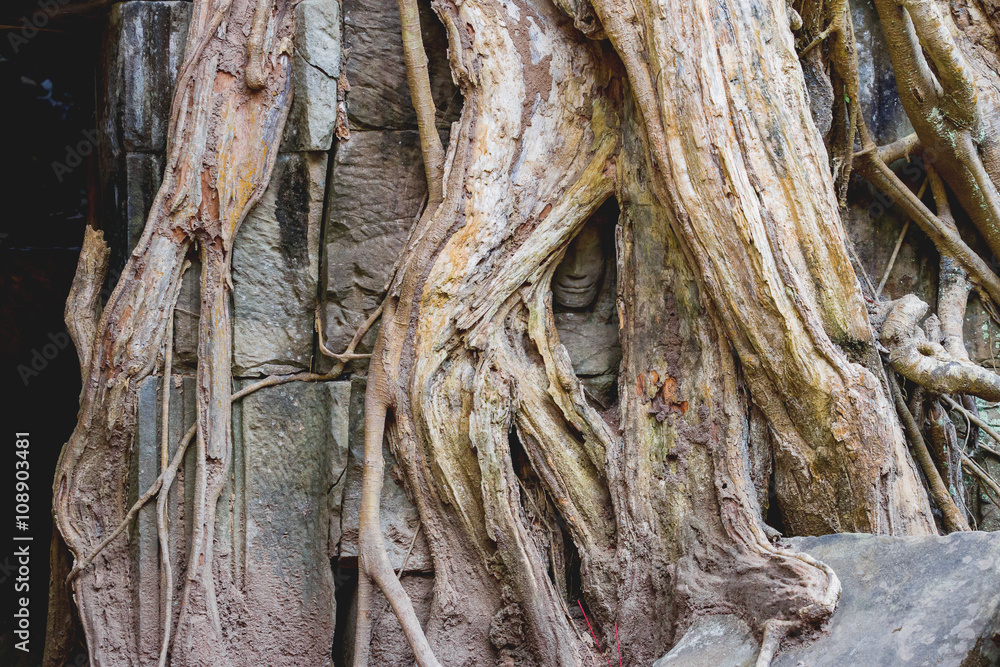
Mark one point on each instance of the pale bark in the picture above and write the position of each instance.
(742, 171)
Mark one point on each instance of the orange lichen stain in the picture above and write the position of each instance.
(669, 390)
(654, 377)
(209, 197)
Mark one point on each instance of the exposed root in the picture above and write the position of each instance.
(926, 362)
(145, 498)
(332, 374)
(775, 632)
(986, 428)
(983, 477)
(418, 79)
(953, 519)
(945, 238)
(349, 354)
(163, 535)
(895, 249)
(900, 149)
(938, 90)
(256, 77)
(83, 304)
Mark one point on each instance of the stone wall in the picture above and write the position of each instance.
(325, 236)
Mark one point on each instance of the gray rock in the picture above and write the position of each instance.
(982, 334)
(375, 194)
(879, 96)
(146, 468)
(141, 52)
(186, 317)
(340, 438)
(143, 49)
(129, 182)
(380, 97)
(272, 541)
(276, 269)
(313, 116)
(905, 601)
(400, 521)
(282, 472)
(720, 641)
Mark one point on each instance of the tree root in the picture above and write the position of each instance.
(145, 498)
(775, 632)
(895, 249)
(83, 304)
(164, 481)
(953, 519)
(418, 79)
(973, 419)
(373, 559)
(926, 362)
(983, 477)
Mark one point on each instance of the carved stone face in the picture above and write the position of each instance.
(578, 277)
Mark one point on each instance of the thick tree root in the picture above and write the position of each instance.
(926, 362)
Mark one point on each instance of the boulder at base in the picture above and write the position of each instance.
(906, 601)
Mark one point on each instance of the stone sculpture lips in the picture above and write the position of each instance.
(578, 277)
(576, 291)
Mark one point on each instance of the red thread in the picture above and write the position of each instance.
(596, 643)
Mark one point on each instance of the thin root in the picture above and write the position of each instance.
(145, 498)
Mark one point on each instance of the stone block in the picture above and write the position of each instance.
(272, 539)
(400, 521)
(340, 437)
(282, 473)
(880, 101)
(905, 601)
(374, 197)
(982, 334)
(313, 116)
(146, 468)
(129, 183)
(186, 317)
(276, 269)
(143, 49)
(389, 647)
(380, 97)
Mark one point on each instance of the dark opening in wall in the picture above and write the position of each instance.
(584, 299)
(48, 60)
